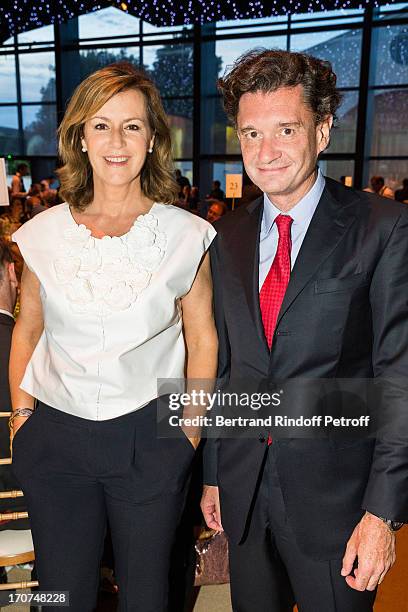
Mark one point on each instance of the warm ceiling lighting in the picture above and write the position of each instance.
(123, 6)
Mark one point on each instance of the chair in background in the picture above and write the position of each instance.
(16, 546)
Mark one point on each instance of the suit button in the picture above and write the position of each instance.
(262, 438)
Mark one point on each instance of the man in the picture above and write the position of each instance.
(182, 182)
(379, 187)
(18, 193)
(216, 211)
(216, 192)
(310, 282)
(401, 195)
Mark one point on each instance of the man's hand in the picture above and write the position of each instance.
(210, 507)
(374, 544)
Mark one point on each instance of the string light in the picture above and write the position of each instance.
(18, 16)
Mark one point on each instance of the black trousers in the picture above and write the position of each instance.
(76, 473)
(270, 574)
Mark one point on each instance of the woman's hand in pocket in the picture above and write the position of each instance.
(18, 422)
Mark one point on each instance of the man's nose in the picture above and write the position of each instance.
(269, 150)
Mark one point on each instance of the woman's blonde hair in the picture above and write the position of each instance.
(157, 176)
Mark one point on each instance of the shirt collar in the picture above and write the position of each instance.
(301, 213)
(6, 312)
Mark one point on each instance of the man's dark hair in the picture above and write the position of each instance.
(378, 180)
(6, 257)
(22, 167)
(268, 70)
(217, 184)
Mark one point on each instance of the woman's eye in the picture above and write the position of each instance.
(101, 126)
(133, 127)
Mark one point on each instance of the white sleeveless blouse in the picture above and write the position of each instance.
(111, 307)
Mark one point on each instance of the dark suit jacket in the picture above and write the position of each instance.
(344, 315)
(8, 481)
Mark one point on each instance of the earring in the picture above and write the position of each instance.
(150, 150)
(84, 149)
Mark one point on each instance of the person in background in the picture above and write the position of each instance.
(116, 293)
(186, 201)
(18, 193)
(182, 181)
(194, 198)
(48, 195)
(216, 211)
(379, 187)
(35, 202)
(8, 297)
(401, 195)
(216, 192)
(17, 184)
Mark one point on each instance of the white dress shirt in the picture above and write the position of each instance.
(301, 214)
(111, 307)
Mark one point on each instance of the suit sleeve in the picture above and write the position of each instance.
(386, 493)
(210, 452)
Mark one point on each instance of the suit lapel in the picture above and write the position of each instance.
(248, 259)
(329, 223)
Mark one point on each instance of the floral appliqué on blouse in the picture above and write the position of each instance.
(102, 276)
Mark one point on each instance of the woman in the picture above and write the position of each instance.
(116, 293)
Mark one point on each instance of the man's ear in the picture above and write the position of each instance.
(12, 274)
(323, 133)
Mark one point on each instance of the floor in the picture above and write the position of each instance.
(392, 595)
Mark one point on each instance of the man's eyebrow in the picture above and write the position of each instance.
(248, 127)
(290, 123)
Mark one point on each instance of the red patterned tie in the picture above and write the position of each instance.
(275, 284)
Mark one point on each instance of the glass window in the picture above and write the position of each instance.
(149, 28)
(343, 137)
(40, 124)
(229, 50)
(107, 22)
(217, 135)
(221, 169)
(91, 60)
(341, 48)
(8, 91)
(44, 34)
(171, 68)
(322, 17)
(37, 71)
(393, 171)
(180, 116)
(336, 168)
(389, 55)
(398, 6)
(390, 123)
(257, 25)
(9, 141)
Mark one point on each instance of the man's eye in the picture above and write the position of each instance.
(287, 131)
(252, 135)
